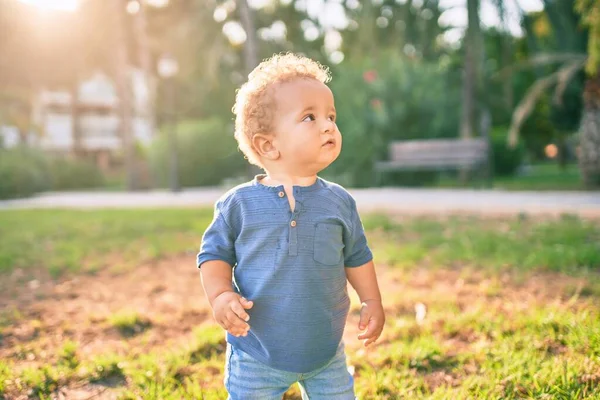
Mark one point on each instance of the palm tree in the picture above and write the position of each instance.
(589, 146)
(589, 154)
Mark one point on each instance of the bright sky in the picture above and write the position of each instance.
(71, 5)
(456, 14)
(331, 15)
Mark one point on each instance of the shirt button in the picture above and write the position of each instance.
(293, 223)
(281, 194)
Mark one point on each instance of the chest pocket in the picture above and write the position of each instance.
(328, 244)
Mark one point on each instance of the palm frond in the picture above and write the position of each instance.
(540, 60)
(523, 110)
(564, 77)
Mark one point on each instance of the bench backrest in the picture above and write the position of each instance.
(439, 152)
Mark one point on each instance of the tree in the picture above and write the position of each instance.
(472, 71)
(589, 155)
(251, 45)
(121, 74)
(572, 63)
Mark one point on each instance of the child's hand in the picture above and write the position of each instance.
(372, 318)
(229, 310)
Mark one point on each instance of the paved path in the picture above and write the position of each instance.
(416, 201)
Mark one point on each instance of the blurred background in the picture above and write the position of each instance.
(137, 94)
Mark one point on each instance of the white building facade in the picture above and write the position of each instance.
(98, 118)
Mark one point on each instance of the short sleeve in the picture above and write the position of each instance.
(356, 250)
(218, 241)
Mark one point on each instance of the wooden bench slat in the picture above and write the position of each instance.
(435, 154)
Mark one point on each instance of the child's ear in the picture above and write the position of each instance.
(263, 145)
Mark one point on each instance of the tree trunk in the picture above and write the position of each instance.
(250, 53)
(471, 78)
(471, 70)
(149, 107)
(589, 146)
(124, 92)
(76, 133)
(251, 45)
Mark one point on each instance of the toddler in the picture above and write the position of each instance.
(277, 256)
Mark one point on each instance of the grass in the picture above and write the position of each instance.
(568, 244)
(493, 340)
(129, 323)
(62, 241)
(539, 177)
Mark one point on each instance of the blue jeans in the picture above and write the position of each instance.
(248, 379)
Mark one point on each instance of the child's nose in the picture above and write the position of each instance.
(327, 126)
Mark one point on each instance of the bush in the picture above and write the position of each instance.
(23, 172)
(506, 160)
(392, 98)
(207, 153)
(26, 171)
(69, 174)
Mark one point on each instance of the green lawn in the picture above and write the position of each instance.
(63, 240)
(512, 307)
(539, 177)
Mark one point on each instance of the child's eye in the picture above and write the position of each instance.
(332, 118)
(309, 117)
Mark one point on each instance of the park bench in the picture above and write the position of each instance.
(437, 155)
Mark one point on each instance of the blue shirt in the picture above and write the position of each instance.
(291, 265)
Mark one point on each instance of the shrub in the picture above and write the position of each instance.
(506, 160)
(23, 172)
(26, 171)
(69, 174)
(207, 153)
(392, 98)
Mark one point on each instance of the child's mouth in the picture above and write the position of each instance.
(330, 142)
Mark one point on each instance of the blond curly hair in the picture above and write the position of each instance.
(254, 106)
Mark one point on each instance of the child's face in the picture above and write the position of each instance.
(306, 135)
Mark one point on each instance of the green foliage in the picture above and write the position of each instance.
(23, 172)
(385, 99)
(26, 171)
(506, 159)
(207, 153)
(68, 174)
(590, 15)
(554, 31)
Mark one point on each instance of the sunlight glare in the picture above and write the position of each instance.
(60, 5)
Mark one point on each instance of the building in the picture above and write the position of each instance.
(98, 119)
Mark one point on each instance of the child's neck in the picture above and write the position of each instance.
(288, 180)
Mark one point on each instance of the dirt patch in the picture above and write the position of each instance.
(168, 299)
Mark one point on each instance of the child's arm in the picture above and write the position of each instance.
(229, 308)
(372, 316)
